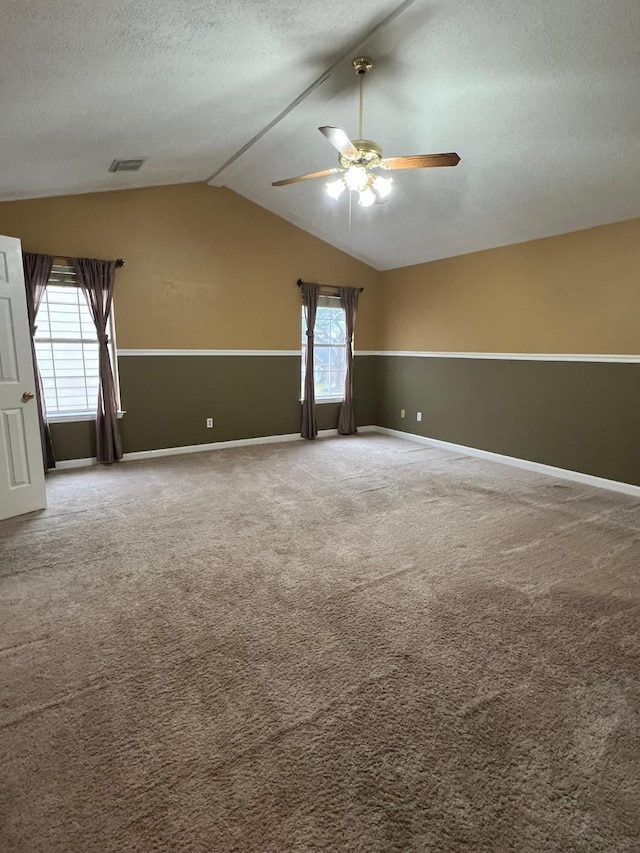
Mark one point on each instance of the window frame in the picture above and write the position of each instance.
(62, 276)
(321, 399)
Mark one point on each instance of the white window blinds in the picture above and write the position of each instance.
(67, 347)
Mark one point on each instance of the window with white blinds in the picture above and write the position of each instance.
(67, 348)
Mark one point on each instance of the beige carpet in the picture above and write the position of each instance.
(357, 644)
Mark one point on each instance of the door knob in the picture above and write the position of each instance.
(27, 395)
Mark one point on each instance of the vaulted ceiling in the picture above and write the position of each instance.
(540, 99)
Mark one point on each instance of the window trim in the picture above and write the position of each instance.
(323, 400)
(76, 417)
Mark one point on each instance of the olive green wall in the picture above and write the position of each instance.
(582, 416)
(167, 400)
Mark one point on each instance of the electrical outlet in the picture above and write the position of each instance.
(209, 423)
(402, 413)
(418, 416)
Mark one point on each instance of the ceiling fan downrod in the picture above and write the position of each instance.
(361, 65)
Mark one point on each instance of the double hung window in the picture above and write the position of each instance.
(67, 349)
(329, 350)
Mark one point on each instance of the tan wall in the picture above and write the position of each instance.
(205, 268)
(577, 293)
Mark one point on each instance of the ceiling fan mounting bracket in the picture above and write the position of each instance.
(362, 65)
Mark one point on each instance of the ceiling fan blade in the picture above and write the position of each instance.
(308, 177)
(420, 161)
(340, 141)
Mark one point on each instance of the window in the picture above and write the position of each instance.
(329, 351)
(67, 349)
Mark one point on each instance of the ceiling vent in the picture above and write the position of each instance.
(127, 165)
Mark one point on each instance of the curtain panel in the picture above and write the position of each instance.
(97, 280)
(310, 294)
(37, 269)
(347, 419)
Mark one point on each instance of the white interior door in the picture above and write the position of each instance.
(21, 467)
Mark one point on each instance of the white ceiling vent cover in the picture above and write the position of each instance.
(127, 165)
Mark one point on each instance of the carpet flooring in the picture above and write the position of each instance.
(356, 644)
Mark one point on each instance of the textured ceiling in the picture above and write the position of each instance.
(540, 99)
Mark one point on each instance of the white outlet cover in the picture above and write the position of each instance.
(418, 416)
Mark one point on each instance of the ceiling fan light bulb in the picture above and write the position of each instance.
(336, 188)
(367, 197)
(356, 178)
(382, 185)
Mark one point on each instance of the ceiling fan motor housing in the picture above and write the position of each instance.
(369, 155)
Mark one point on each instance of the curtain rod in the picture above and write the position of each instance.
(328, 286)
(119, 261)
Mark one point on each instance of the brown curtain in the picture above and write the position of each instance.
(37, 269)
(97, 279)
(347, 420)
(310, 293)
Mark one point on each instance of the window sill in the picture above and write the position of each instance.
(74, 417)
(322, 400)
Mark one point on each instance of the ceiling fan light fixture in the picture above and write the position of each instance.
(367, 197)
(336, 188)
(382, 186)
(356, 178)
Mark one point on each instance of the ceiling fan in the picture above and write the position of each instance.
(359, 158)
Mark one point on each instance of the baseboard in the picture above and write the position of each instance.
(67, 464)
(515, 462)
(537, 467)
